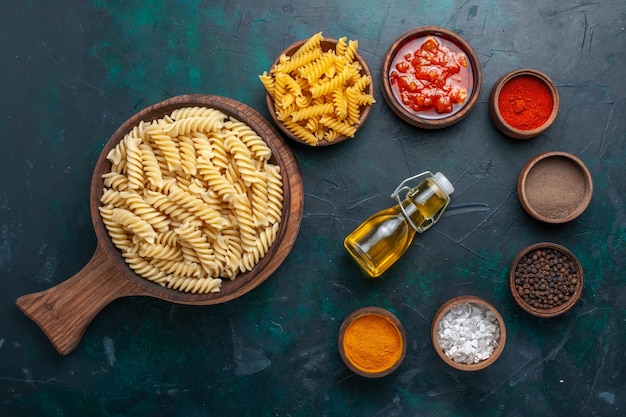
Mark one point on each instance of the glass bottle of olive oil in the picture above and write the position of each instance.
(381, 239)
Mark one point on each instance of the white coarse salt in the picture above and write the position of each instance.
(468, 333)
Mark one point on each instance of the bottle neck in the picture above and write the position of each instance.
(424, 204)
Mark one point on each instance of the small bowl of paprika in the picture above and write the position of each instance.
(546, 279)
(431, 77)
(524, 103)
(372, 342)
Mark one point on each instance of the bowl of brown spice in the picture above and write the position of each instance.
(372, 342)
(546, 279)
(555, 187)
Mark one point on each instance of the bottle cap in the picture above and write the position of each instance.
(444, 183)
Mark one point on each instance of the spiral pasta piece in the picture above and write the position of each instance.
(195, 285)
(275, 194)
(119, 236)
(316, 69)
(134, 165)
(313, 43)
(255, 144)
(167, 146)
(194, 238)
(243, 159)
(113, 197)
(243, 210)
(176, 269)
(326, 88)
(151, 166)
(265, 239)
(157, 251)
(134, 224)
(117, 157)
(144, 268)
(187, 155)
(115, 180)
(185, 126)
(165, 205)
(216, 181)
(145, 211)
(197, 111)
(210, 215)
(260, 200)
(339, 126)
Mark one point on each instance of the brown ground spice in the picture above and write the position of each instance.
(555, 187)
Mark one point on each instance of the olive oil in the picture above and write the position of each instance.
(384, 237)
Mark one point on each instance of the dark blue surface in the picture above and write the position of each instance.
(73, 71)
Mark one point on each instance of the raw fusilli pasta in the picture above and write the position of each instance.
(312, 84)
(190, 198)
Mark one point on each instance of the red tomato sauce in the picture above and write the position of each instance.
(431, 76)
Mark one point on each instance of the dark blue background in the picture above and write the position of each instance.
(73, 71)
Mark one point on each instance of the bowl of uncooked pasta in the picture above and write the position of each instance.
(194, 200)
(319, 91)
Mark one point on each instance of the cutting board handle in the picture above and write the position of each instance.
(64, 311)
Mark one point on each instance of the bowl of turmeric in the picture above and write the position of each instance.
(523, 103)
(372, 342)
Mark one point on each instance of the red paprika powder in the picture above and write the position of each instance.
(525, 102)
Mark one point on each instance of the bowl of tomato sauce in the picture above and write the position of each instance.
(431, 77)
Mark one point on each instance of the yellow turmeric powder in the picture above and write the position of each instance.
(372, 343)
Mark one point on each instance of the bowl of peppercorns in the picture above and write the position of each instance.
(546, 279)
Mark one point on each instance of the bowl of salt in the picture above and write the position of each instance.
(468, 333)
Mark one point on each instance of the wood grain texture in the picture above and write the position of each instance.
(64, 311)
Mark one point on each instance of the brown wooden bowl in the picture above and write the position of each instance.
(412, 40)
(506, 127)
(350, 362)
(483, 304)
(518, 278)
(555, 187)
(326, 44)
(64, 311)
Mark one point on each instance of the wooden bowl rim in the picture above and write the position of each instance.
(472, 300)
(494, 109)
(555, 311)
(527, 168)
(367, 311)
(292, 203)
(326, 44)
(411, 117)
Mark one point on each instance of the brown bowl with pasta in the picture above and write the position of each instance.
(194, 200)
(319, 91)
